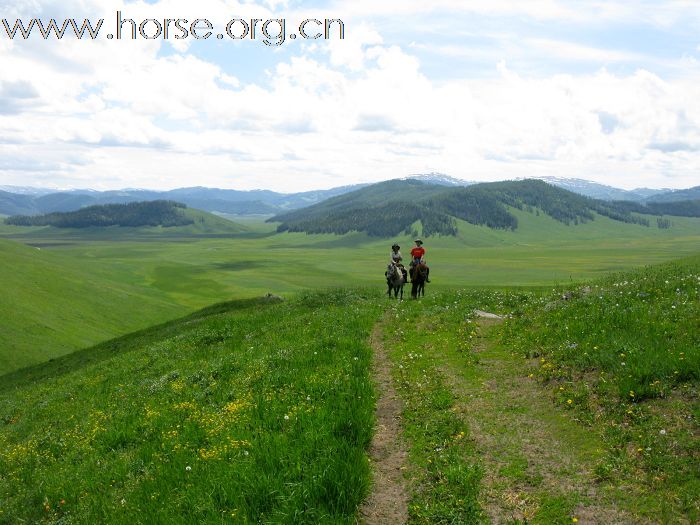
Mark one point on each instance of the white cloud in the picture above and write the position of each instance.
(573, 51)
(352, 52)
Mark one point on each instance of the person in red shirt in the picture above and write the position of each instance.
(417, 254)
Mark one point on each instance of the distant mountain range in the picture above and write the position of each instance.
(690, 194)
(20, 200)
(603, 191)
(32, 201)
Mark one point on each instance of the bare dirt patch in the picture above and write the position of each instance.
(388, 502)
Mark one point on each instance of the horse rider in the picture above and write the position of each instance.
(418, 257)
(395, 260)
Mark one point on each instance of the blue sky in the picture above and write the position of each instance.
(606, 91)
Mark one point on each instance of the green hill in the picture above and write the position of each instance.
(622, 355)
(57, 300)
(390, 208)
(382, 209)
(191, 222)
(579, 405)
(685, 208)
(135, 214)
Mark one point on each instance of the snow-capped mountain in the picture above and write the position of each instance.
(439, 178)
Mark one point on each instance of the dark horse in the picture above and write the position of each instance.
(419, 274)
(394, 281)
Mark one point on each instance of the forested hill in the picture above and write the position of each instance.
(135, 214)
(390, 208)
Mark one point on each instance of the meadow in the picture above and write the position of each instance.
(254, 411)
(53, 305)
(85, 286)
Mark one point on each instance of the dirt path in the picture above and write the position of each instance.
(537, 462)
(388, 502)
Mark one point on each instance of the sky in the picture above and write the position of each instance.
(607, 91)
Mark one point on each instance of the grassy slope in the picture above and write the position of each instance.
(52, 305)
(474, 456)
(623, 355)
(544, 251)
(59, 299)
(204, 224)
(247, 411)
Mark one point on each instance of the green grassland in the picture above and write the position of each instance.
(53, 305)
(86, 285)
(262, 411)
(58, 299)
